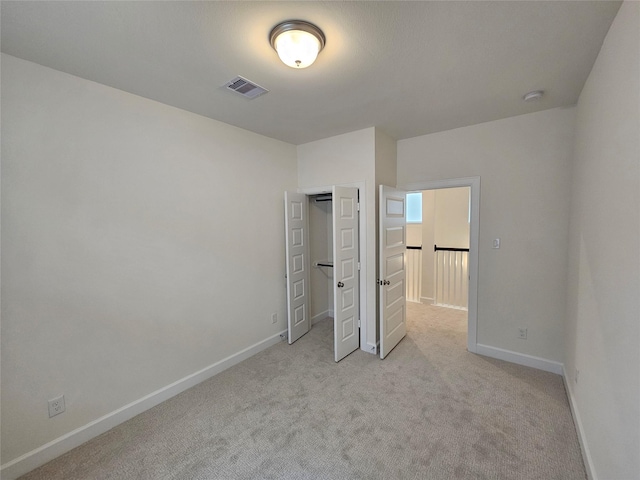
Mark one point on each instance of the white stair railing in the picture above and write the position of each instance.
(414, 273)
(451, 277)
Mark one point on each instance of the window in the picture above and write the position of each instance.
(414, 207)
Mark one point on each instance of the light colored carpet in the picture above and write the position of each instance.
(430, 410)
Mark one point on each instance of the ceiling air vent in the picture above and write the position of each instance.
(245, 87)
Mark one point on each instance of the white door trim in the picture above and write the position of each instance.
(474, 184)
(367, 319)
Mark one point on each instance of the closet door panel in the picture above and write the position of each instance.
(297, 268)
(346, 279)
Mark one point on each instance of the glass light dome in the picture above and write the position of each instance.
(297, 42)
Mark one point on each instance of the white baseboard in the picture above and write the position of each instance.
(582, 439)
(520, 358)
(426, 300)
(452, 307)
(77, 437)
(321, 316)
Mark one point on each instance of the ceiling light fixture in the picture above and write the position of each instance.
(297, 42)
(531, 96)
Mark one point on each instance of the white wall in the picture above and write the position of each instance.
(386, 168)
(414, 234)
(603, 328)
(451, 222)
(524, 165)
(140, 244)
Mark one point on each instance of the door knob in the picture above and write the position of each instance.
(387, 282)
(340, 284)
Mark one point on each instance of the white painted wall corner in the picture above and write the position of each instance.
(582, 438)
(41, 455)
(553, 367)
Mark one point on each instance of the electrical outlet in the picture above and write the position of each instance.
(522, 333)
(576, 375)
(274, 318)
(56, 406)
(496, 243)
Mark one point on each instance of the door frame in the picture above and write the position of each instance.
(364, 310)
(474, 184)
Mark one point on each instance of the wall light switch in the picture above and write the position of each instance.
(496, 243)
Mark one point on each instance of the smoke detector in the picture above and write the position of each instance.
(246, 88)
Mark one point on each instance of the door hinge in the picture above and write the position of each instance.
(358, 265)
(358, 323)
(358, 206)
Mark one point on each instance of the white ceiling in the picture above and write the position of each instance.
(410, 68)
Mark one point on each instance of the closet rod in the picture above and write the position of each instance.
(323, 264)
(324, 198)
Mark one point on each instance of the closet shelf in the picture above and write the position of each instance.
(323, 263)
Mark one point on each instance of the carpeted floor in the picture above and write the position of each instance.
(430, 410)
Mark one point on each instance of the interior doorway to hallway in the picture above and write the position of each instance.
(442, 253)
(438, 235)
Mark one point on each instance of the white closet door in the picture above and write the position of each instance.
(392, 268)
(297, 254)
(346, 291)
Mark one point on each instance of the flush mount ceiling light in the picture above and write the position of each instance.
(531, 96)
(297, 42)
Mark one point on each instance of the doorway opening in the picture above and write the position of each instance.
(438, 236)
(442, 253)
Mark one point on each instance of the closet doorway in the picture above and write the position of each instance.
(323, 264)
